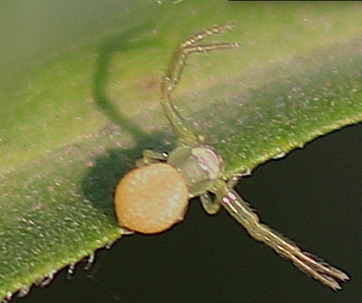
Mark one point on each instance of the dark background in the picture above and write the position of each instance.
(313, 196)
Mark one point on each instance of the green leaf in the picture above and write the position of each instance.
(79, 103)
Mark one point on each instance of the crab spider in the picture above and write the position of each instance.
(154, 196)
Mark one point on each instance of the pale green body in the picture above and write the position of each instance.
(200, 165)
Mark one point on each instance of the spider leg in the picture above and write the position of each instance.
(149, 156)
(306, 262)
(185, 133)
(211, 206)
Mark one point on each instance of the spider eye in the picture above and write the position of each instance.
(151, 199)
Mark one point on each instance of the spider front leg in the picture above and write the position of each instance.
(184, 132)
(309, 264)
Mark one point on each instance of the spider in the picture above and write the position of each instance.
(154, 196)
